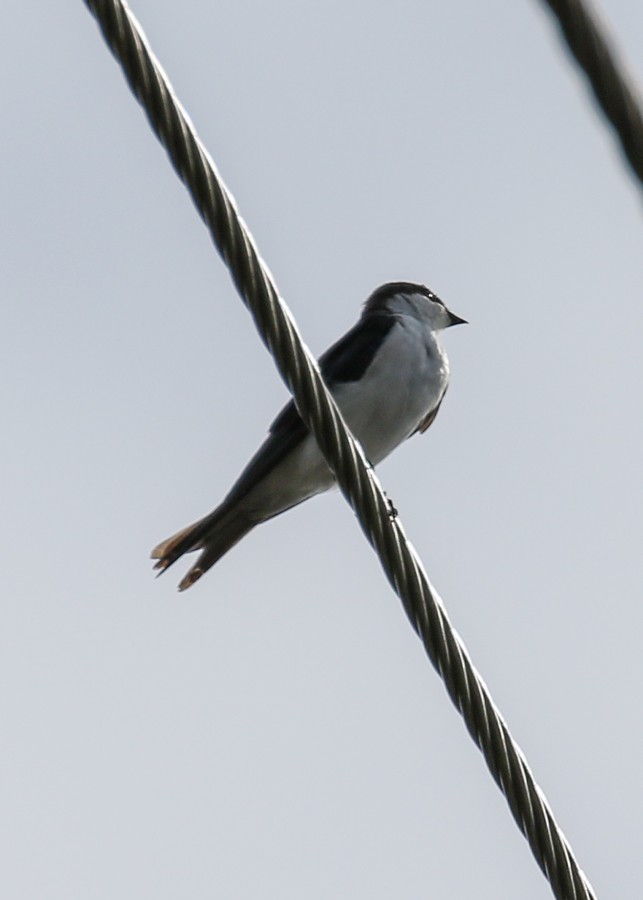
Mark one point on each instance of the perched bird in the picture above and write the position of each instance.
(388, 375)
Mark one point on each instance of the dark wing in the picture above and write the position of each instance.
(286, 434)
(346, 360)
(429, 417)
(350, 357)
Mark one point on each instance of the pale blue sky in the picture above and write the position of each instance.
(277, 731)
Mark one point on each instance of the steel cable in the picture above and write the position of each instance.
(609, 82)
(355, 478)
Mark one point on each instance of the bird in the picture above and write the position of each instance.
(388, 375)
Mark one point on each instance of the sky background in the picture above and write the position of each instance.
(278, 731)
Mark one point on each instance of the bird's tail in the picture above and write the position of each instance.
(214, 535)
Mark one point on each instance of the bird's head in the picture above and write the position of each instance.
(406, 298)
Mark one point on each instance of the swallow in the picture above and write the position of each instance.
(388, 375)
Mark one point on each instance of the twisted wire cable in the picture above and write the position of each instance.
(355, 478)
(610, 84)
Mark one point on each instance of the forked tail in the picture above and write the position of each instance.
(214, 535)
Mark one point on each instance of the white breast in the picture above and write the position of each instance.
(405, 381)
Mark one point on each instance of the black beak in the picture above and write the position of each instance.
(456, 320)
